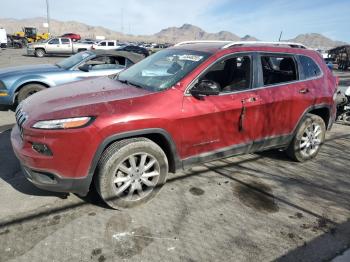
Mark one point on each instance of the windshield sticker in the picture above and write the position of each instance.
(194, 58)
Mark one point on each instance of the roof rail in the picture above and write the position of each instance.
(240, 43)
(202, 41)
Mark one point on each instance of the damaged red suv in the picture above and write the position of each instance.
(188, 104)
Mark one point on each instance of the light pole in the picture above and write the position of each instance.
(48, 16)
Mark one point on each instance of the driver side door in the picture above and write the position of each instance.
(221, 125)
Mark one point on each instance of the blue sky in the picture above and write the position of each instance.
(263, 19)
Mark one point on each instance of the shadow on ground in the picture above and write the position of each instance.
(10, 169)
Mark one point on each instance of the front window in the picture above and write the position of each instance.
(74, 60)
(54, 41)
(163, 69)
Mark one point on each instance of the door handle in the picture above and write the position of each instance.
(250, 99)
(304, 91)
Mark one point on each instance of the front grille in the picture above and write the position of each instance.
(21, 117)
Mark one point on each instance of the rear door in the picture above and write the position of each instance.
(284, 98)
(218, 125)
(66, 46)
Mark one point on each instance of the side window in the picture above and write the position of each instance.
(54, 41)
(232, 74)
(309, 67)
(110, 43)
(278, 69)
(102, 44)
(65, 41)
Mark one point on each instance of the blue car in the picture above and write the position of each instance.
(17, 83)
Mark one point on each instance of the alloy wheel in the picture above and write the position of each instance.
(136, 176)
(311, 140)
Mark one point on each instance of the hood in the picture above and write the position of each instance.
(90, 97)
(31, 69)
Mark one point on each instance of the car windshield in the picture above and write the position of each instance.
(74, 60)
(163, 69)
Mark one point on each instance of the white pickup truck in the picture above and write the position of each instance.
(57, 45)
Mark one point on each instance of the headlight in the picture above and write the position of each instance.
(67, 123)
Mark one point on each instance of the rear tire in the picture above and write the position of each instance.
(131, 172)
(29, 90)
(308, 140)
(40, 52)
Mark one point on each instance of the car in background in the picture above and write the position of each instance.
(18, 83)
(89, 41)
(56, 46)
(329, 62)
(198, 102)
(107, 45)
(74, 37)
(135, 49)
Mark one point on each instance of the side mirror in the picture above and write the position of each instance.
(84, 68)
(205, 88)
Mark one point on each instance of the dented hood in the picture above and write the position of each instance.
(88, 97)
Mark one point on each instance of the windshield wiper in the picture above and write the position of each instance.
(58, 65)
(129, 83)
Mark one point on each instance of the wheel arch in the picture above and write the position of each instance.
(159, 136)
(321, 110)
(23, 84)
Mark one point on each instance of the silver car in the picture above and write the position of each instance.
(17, 83)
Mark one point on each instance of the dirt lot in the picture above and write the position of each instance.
(258, 207)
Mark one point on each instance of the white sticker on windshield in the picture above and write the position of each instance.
(194, 58)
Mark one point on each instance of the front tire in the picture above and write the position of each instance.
(131, 172)
(39, 52)
(29, 90)
(308, 140)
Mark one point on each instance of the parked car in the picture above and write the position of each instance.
(107, 45)
(134, 49)
(215, 100)
(343, 105)
(74, 37)
(89, 41)
(17, 83)
(3, 38)
(329, 62)
(56, 46)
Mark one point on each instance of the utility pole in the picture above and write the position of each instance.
(48, 16)
(122, 20)
(279, 39)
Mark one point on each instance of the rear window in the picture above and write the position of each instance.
(309, 68)
(278, 69)
(110, 43)
(65, 41)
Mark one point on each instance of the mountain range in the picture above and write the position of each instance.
(171, 34)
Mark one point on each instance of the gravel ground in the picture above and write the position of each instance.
(257, 207)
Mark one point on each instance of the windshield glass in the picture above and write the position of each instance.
(163, 69)
(74, 60)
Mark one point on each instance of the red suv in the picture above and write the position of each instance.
(191, 103)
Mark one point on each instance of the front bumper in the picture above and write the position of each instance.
(30, 51)
(52, 182)
(67, 170)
